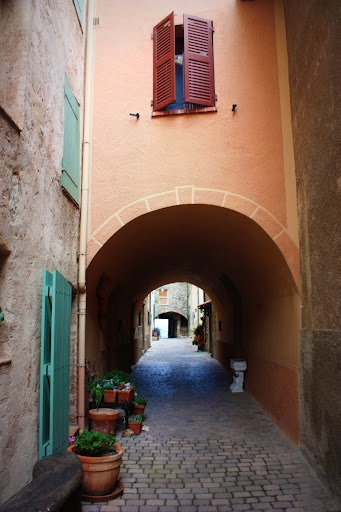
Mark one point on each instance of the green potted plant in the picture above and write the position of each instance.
(102, 419)
(139, 404)
(101, 459)
(120, 380)
(94, 387)
(199, 340)
(135, 423)
(156, 333)
(110, 387)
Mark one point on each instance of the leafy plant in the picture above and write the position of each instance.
(94, 444)
(109, 384)
(116, 378)
(156, 331)
(140, 401)
(198, 330)
(136, 417)
(96, 390)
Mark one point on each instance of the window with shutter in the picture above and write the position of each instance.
(163, 58)
(71, 151)
(183, 68)
(163, 297)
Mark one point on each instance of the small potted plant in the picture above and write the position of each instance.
(139, 404)
(199, 339)
(110, 390)
(120, 380)
(156, 333)
(135, 423)
(125, 392)
(101, 459)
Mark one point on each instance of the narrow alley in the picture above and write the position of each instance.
(207, 449)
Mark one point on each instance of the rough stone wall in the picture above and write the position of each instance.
(177, 300)
(314, 49)
(40, 43)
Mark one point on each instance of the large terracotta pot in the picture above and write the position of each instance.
(103, 419)
(100, 474)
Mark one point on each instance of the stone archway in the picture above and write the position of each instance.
(214, 248)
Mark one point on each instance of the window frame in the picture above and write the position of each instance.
(198, 66)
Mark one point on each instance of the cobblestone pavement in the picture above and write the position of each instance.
(207, 449)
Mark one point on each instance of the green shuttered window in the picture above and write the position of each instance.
(71, 152)
(54, 364)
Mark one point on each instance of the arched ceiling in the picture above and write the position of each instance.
(201, 244)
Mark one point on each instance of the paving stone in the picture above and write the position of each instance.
(233, 459)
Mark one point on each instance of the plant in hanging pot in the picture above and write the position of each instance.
(139, 404)
(101, 460)
(135, 423)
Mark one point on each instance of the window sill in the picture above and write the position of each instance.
(163, 113)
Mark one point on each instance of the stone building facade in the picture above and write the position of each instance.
(42, 53)
(171, 302)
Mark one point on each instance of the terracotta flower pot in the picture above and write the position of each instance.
(125, 395)
(139, 409)
(103, 419)
(110, 395)
(100, 474)
(135, 426)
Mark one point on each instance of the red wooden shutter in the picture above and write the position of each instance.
(198, 65)
(164, 63)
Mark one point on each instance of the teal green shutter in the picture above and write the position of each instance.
(79, 4)
(71, 152)
(54, 364)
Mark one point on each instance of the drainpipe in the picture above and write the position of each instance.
(84, 215)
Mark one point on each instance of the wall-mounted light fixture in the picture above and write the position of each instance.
(234, 106)
(137, 115)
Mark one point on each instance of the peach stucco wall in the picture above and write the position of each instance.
(241, 161)
(238, 160)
